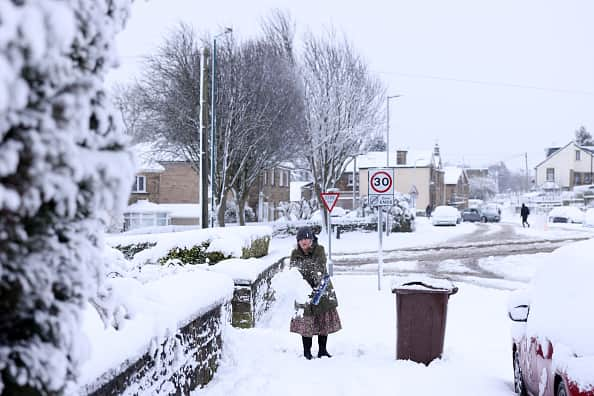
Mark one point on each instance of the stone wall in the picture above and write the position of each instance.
(182, 362)
(252, 300)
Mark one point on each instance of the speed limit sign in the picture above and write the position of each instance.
(381, 187)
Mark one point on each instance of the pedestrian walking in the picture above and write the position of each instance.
(524, 212)
(322, 318)
(428, 211)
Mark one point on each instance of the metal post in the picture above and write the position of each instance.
(330, 265)
(203, 177)
(355, 179)
(380, 253)
(388, 131)
(213, 126)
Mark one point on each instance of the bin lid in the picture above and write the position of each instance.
(425, 285)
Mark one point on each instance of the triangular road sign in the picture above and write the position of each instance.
(330, 199)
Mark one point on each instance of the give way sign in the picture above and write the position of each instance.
(330, 199)
(381, 187)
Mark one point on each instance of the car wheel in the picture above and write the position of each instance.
(519, 386)
(561, 390)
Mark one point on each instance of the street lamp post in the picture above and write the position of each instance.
(213, 124)
(388, 126)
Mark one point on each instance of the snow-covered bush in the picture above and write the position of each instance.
(231, 213)
(63, 168)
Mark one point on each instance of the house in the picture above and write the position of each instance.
(417, 173)
(273, 187)
(457, 188)
(165, 179)
(565, 167)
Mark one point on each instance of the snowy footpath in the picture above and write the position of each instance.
(268, 360)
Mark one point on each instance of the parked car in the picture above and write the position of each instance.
(566, 214)
(445, 215)
(552, 344)
(589, 218)
(471, 214)
(490, 212)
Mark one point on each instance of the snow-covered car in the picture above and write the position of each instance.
(589, 218)
(566, 214)
(445, 215)
(553, 322)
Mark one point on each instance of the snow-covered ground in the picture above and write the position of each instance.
(477, 358)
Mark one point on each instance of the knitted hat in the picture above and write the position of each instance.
(305, 233)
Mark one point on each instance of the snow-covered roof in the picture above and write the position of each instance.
(377, 159)
(186, 211)
(145, 159)
(452, 174)
(295, 190)
(144, 206)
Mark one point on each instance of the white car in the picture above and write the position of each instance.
(566, 214)
(445, 215)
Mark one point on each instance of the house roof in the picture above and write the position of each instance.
(589, 149)
(377, 159)
(186, 211)
(145, 159)
(452, 174)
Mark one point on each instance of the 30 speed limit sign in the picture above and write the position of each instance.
(381, 187)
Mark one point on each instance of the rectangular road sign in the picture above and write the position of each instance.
(381, 200)
(380, 187)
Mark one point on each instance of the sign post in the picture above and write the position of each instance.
(330, 199)
(380, 193)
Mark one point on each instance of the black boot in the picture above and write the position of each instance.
(322, 351)
(307, 341)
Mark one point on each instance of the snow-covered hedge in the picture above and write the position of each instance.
(64, 169)
(209, 245)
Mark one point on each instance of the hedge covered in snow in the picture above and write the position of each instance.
(200, 246)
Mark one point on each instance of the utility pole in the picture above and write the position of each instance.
(203, 178)
(388, 127)
(527, 176)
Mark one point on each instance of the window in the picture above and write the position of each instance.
(283, 179)
(139, 185)
(577, 178)
(551, 174)
(578, 155)
(350, 180)
(272, 177)
(265, 178)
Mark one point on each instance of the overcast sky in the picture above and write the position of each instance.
(487, 80)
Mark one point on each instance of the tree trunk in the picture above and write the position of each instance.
(221, 211)
(241, 211)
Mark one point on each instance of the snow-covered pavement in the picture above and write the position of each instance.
(477, 355)
(268, 360)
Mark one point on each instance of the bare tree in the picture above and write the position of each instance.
(343, 104)
(583, 137)
(260, 118)
(169, 96)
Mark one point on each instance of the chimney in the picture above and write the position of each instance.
(401, 157)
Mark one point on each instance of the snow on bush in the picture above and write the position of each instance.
(63, 168)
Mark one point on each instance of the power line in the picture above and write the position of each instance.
(490, 83)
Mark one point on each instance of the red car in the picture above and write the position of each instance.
(553, 326)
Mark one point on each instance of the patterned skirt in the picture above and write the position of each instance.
(323, 324)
